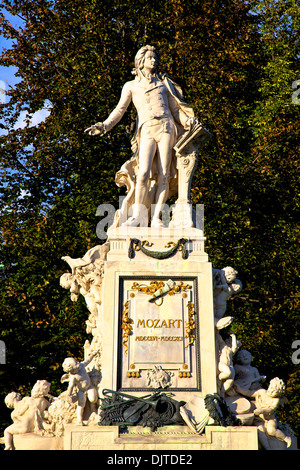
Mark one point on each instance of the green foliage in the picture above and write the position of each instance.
(236, 61)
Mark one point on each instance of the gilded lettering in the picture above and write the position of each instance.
(159, 338)
(158, 323)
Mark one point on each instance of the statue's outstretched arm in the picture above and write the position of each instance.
(115, 116)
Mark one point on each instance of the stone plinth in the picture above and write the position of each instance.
(33, 441)
(120, 240)
(166, 438)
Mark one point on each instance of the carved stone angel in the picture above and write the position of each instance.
(86, 279)
(225, 284)
(81, 384)
(266, 403)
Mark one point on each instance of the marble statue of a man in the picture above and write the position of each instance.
(162, 117)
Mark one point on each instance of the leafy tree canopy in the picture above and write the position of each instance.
(236, 61)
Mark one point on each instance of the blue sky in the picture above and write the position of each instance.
(8, 78)
(7, 74)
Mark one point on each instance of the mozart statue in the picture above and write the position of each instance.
(150, 176)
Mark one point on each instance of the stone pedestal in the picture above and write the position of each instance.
(173, 333)
(32, 441)
(167, 438)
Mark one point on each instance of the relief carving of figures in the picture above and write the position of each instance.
(159, 378)
(29, 413)
(225, 284)
(150, 176)
(86, 279)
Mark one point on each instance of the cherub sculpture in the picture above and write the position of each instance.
(70, 282)
(225, 285)
(94, 255)
(29, 413)
(266, 403)
(86, 279)
(246, 376)
(226, 347)
(80, 384)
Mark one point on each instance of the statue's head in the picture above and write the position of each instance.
(139, 60)
(70, 365)
(40, 389)
(230, 274)
(276, 387)
(66, 280)
(11, 398)
(243, 357)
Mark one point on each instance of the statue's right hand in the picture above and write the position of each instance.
(96, 129)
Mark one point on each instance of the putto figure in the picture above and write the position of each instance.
(246, 376)
(266, 403)
(29, 413)
(225, 284)
(80, 383)
(162, 117)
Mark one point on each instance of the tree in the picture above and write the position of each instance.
(231, 59)
(274, 203)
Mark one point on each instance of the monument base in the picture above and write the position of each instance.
(137, 438)
(32, 441)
